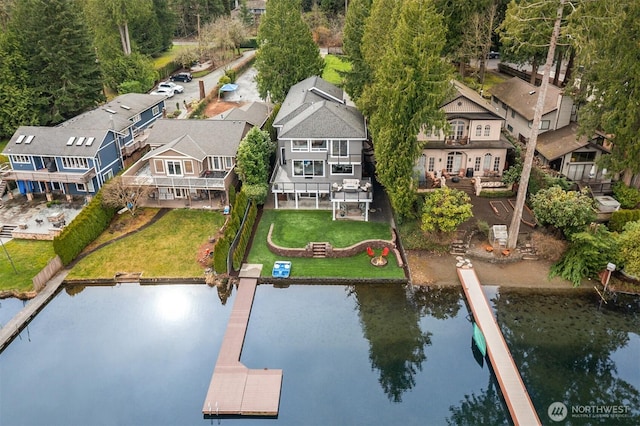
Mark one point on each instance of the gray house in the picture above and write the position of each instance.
(320, 152)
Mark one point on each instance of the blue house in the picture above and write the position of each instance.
(78, 156)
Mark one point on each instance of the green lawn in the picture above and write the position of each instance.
(333, 65)
(29, 257)
(295, 228)
(169, 55)
(168, 248)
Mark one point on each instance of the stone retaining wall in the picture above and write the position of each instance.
(336, 252)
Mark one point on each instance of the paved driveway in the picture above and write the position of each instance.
(192, 89)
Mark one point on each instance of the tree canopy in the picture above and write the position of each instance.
(568, 211)
(354, 26)
(286, 51)
(49, 67)
(445, 209)
(409, 86)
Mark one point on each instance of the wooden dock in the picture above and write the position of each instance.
(515, 394)
(26, 314)
(236, 389)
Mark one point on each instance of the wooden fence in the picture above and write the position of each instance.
(52, 268)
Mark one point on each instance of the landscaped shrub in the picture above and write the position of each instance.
(568, 211)
(497, 194)
(588, 254)
(627, 197)
(483, 228)
(220, 254)
(232, 195)
(629, 254)
(86, 227)
(621, 217)
(245, 236)
(257, 193)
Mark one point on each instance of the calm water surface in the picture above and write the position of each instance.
(360, 355)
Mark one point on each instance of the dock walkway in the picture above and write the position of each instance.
(22, 318)
(234, 388)
(515, 394)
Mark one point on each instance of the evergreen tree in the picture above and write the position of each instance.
(286, 51)
(414, 81)
(49, 43)
(607, 39)
(153, 31)
(354, 26)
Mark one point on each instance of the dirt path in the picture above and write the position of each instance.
(432, 269)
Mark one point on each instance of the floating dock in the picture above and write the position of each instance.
(515, 394)
(234, 388)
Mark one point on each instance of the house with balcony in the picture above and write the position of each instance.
(78, 156)
(191, 162)
(474, 145)
(515, 100)
(320, 152)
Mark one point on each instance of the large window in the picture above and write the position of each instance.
(487, 130)
(341, 169)
(457, 129)
(22, 159)
(432, 164)
(487, 162)
(339, 148)
(308, 168)
(174, 168)
(479, 130)
(496, 164)
(300, 146)
(75, 163)
(583, 157)
(478, 162)
(319, 145)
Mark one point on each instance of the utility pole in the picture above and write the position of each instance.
(514, 229)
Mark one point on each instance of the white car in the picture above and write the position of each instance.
(163, 91)
(169, 85)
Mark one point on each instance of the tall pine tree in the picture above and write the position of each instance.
(354, 25)
(286, 51)
(57, 56)
(414, 81)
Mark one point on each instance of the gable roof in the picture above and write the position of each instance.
(116, 114)
(468, 103)
(523, 96)
(554, 144)
(212, 137)
(254, 113)
(55, 141)
(315, 108)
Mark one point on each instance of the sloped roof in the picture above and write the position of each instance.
(213, 137)
(55, 141)
(477, 108)
(254, 113)
(555, 144)
(522, 96)
(325, 120)
(309, 91)
(315, 108)
(116, 114)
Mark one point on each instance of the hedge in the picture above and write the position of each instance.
(245, 237)
(86, 227)
(621, 217)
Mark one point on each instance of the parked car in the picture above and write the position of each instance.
(169, 85)
(163, 91)
(493, 55)
(184, 77)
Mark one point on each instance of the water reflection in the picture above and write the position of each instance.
(558, 335)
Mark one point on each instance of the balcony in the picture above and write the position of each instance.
(43, 175)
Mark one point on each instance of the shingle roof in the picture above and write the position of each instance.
(522, 96)
(213, 137)
(55, 141)
(315, 108)
(555, 144)
(116, 114)
(254, 113)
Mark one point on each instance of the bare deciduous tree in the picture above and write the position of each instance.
(116, 193)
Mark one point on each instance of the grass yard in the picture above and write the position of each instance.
(168, 248)
(332, 68)
(29, 257)
(294, 228)
(123, 224)
(169, 55)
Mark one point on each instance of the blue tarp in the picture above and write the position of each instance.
(229, 87)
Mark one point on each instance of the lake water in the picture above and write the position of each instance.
(358, 355)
